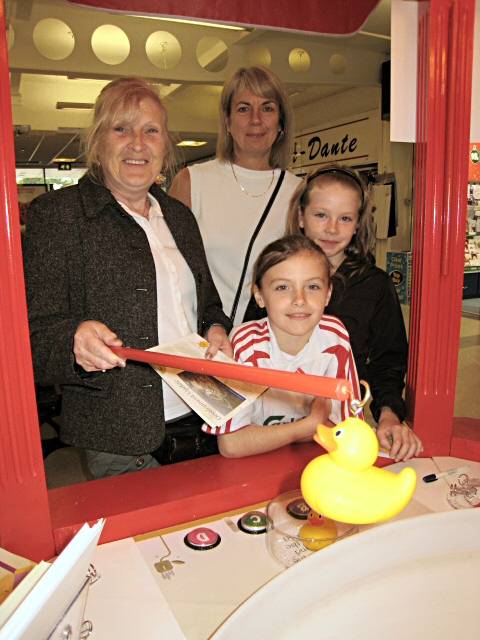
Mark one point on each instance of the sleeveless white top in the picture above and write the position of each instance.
(227, 218)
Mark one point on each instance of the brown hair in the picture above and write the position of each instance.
(280, 250)
(262, 82)
(120, 97)
(362, 244)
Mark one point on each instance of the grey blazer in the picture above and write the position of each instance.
(87, 259)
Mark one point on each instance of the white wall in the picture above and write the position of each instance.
(346, 103)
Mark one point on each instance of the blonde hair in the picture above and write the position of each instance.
(362, 244)
(262, 82)
(121, 97)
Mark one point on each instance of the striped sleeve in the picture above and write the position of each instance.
(248, 342)
(346, 368)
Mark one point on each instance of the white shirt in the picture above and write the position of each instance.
(176, 292)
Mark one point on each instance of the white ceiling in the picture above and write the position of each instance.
(44, 132)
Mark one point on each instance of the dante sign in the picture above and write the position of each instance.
(351, 140)
(325, 150)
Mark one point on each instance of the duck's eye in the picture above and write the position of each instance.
(338, 433)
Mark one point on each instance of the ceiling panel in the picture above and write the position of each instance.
(190, 93)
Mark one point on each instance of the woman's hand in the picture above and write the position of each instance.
(397, 438)
(218, 341)
(91, 347)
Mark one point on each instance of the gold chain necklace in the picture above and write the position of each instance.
(146, 207)
(252, 195)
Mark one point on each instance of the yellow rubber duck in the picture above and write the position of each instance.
(318, 532)
(345, 486)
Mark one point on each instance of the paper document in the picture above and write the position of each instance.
(126, 603)
(215, 400)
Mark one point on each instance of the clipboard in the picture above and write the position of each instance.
(61, 590)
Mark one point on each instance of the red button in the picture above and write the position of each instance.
(202, 538)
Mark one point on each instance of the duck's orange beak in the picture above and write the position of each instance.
(324, 437)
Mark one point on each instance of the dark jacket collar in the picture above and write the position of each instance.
(357, 271)
(96, 197)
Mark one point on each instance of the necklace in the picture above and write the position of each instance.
(252, 195)
(146, 209)
(146, 206)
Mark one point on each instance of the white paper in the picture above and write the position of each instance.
(214, 399)
(126, 603)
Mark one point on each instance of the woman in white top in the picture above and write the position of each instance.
(228, 195)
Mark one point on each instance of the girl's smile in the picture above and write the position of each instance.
(294, 293)
(331, 218)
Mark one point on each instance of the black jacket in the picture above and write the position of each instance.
(87, 259)
(368, 305)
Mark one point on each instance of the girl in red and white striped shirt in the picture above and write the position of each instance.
(292, 281)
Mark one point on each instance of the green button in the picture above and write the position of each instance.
(253, 522)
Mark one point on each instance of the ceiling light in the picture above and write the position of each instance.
(56, 160)
(74, 105)
(195, 22)
(191, 143)
(374, 35)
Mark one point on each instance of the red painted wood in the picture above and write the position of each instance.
(186, 491)
(309, 15)
(24, 515)
(303, 383)
(158, 498)
(443, 120)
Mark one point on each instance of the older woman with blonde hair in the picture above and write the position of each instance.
(112, 261)
(240, 198)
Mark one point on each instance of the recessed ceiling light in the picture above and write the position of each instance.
(191, 143)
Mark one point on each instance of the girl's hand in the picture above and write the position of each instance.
(397, 438)
(320, 409)
(218, 341)
(91, 344)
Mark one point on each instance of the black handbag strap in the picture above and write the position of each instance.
(252, 240)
